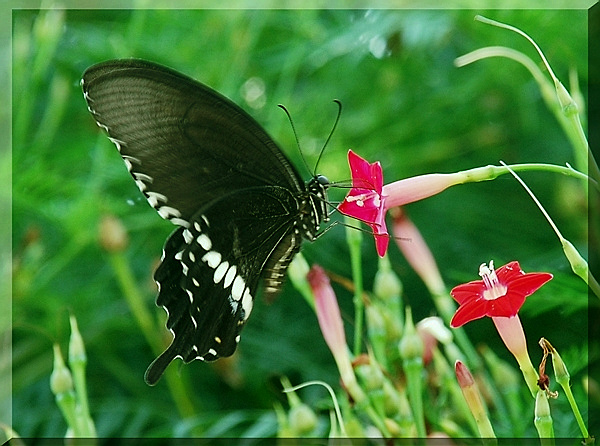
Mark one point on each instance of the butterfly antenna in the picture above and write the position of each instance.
(337, 119)
(281, 106)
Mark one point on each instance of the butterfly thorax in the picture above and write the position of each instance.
(313, 208)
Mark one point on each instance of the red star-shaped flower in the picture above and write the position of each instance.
(501, 293)
(369, 199)
(365, 200)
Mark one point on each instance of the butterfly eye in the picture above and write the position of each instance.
(323, 180)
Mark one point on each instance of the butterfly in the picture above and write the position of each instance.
(240, 206)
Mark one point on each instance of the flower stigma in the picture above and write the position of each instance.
(362, 198)
(493, 288)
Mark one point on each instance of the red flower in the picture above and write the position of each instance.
(500, 294)
(365, 201)
(369, 199)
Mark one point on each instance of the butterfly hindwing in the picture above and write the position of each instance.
(210, 272)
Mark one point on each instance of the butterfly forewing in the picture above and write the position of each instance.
(210, 168)
(177, 135)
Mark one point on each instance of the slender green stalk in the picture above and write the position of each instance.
(578, 264)
(411, 351)
(67, 398)
(338, 413)
(569, 117)
(413, 368)
(135, 300)
(354, 240)
(577, 413)
(61, 384)
(30, 74)
(492, 172)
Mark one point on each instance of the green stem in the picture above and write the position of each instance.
(578, 264)
(563, 378)
(560, 103)
(377, 421)
(414, 385)
(354, 239)
(411, 350)
(492, 172)
(576, 412)
(135, 301)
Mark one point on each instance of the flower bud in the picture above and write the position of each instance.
(113, 235)
(411, 346)
(471, 393)
(543, 419)
(302, 420)
(371, 376)
(386, 284)
(297, 272)
(76, 346)
(61, 381)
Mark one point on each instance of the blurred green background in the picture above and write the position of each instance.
(404, 104)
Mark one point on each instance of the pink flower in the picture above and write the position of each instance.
(328, 312)
(416, 252)
(369, 199)
(332, 327)
(500, 294)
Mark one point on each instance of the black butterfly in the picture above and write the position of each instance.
(240, 206)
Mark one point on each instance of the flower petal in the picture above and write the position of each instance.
(364, 201)
(471, 310)
(365, 175)
(381, 243)
(506, 306)
(468, 291)
(356, 206)
(529, 283)
(509, 272)
(327, 309)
